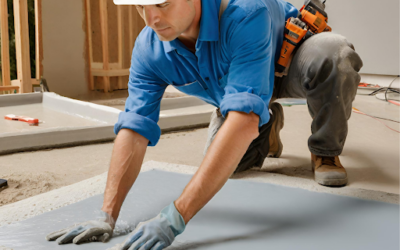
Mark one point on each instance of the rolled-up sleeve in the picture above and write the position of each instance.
(251, 74)
(142, 107)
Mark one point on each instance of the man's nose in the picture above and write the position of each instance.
(151, 15)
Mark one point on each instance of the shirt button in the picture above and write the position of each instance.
(207, 78)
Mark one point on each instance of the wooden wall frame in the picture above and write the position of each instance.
(22, 45)
(5, 47)
(38, 38)
(127, 24)
(24, 83)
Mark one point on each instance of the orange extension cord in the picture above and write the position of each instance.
(362, 113)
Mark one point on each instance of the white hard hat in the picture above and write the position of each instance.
(138, 2)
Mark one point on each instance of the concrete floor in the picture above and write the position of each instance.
(371, 154)
(58, 177)
(244, 215)
(48, 118)
(99, 96)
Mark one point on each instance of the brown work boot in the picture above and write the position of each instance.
(275, 143)
(328, 171)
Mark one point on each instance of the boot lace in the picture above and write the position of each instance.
(328, 161)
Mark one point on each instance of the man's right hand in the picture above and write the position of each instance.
(94, 230)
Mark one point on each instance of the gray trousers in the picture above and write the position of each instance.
(324, 71)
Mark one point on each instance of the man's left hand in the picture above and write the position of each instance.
(157, 233)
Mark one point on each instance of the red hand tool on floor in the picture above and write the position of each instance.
(29, 120)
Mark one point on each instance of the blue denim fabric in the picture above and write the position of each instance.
(233, 67)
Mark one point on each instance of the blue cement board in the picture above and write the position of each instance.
(243, 215)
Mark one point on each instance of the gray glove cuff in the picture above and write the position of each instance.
(105, 217)
(177, 223)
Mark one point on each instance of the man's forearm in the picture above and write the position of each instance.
(126, 161)
(224, 154)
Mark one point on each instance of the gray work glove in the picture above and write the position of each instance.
(94, 230)
(157, 233)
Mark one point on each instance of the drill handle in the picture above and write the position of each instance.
(328, 28)
(317, 5)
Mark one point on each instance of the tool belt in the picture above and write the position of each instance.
(311, 20)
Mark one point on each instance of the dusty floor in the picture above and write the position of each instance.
(49, 119)
(32, 173)
(371, 155)
(98, 96)
(258, 209)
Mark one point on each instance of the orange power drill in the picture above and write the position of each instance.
(314, 15)
(312, 20)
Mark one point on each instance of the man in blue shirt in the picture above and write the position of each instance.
(228, 60)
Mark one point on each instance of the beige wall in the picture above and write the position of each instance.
(373, 29)
(64, 56)
(372, 26)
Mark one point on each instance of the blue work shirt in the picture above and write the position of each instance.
(233, 67)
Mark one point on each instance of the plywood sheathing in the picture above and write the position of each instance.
(123, 26)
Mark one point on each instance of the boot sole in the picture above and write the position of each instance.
(332, 182)
(277, 126)
(329, 182)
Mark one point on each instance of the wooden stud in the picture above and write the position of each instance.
(120, 43)
(110, 72)
(9, 88)
(5, 46)
(38, 38)
(96, 65)
(22, 45)
(89, 29)
(89, 43)
(99, 65)
(36, 82)
(131, 27)
(104, 41)
(17, 82)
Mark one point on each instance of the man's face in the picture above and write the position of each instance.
(169, 19)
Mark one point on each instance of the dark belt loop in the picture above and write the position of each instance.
(219, 112)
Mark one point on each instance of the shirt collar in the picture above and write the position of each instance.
(209, 24)
(169, 46)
